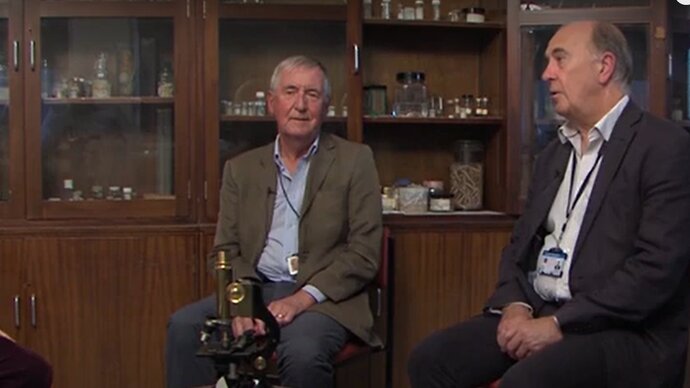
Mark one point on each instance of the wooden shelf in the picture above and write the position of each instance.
(489, 26)
(109, 101)
(281, 12)
(489, 120)
(270, 119)
(454, 220)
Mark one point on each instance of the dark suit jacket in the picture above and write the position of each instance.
(340, 228)
(630, 262)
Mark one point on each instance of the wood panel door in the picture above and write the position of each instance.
(102, 305)
(11, 275)
(441, 278)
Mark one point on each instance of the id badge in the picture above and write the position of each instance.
(293, 264)
(551, 262)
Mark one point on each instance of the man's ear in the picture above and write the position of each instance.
(606, 67)
(269, 102)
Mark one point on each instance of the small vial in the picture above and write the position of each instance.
(127, 193)
(478, 107)
(251, 108)
(260, 103)
(419, 9)
(436, 5)
(385, 9)
(331, 111)
(401, 11)
(67, 189)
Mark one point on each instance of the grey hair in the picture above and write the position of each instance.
(302, 61)
(608, 38)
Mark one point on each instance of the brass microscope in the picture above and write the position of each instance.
(241, 361)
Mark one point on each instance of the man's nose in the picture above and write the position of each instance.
(547, 74)
(301, 101)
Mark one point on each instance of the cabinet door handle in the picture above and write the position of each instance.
(33, 310)
(15, 53)
(17, 322)
(356, 58)
(32, 54)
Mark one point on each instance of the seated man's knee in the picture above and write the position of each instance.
(302, 353)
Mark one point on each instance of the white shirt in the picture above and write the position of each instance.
(558, 289)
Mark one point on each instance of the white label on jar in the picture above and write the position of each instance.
(439, 204)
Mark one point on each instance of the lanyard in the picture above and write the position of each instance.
(287, 198)
(568, 207)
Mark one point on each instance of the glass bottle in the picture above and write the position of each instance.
(436, 5)
(46, 80)
(125, 69)
(411, 98)
(419, 9)
(367, 9)
(260, 103)
(385, 9)
(467, 175)
(165, 83)
(101, 85)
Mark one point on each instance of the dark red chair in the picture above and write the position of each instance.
(381, 304)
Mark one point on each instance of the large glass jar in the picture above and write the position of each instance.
(467, 175)
(411, 98)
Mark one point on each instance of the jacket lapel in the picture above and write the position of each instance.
(544, 199)
(616, 147)
(266, 179)
(318, 169)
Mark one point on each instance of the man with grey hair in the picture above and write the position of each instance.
(593, 287)
(303, 214)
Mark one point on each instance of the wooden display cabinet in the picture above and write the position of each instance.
(107, 87)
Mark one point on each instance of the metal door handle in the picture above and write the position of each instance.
(356, 57)
(33, 310)
(32, 54)
(17, 322)
(15, 53)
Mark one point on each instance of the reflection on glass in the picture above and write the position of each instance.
(106, 133)
(4, 114)
(539, 122)
(556, 4)
(248, 54)
(680, 86)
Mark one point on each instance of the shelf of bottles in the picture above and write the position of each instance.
(540, 123)
(107, 112)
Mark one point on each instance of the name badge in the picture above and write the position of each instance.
(293, 264)
(551, 262)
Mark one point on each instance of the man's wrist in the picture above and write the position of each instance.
(556, 322)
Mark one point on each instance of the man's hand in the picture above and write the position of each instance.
(513, 315)
(286, 309)
(5, 335)
(241, 324)
(532, 336)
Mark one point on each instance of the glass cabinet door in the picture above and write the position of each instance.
(539, 123)
(251, 40)
(108, 129)
(680, 67)
(11, 155)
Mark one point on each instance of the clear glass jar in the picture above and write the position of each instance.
(467, 175)
(411, 97)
